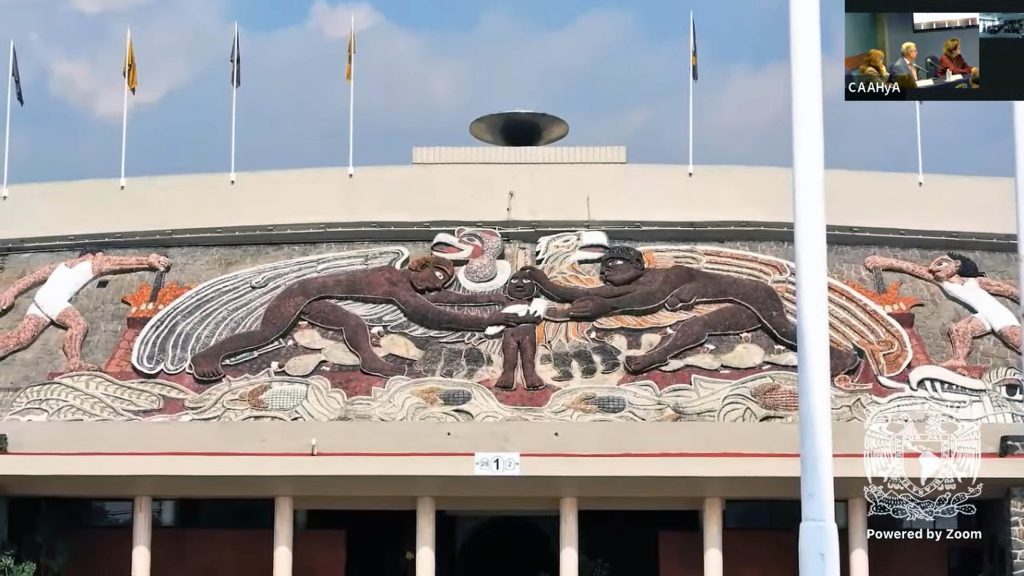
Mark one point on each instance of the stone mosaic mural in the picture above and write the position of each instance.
(578, 326)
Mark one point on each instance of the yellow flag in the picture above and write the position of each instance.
(129, 71)
(351, 52)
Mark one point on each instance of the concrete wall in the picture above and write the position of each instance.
(327, 202)
(861, 33)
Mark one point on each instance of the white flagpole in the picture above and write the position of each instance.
(691, 92)
(124, 123)
(920, 166)
(1018, 138)
(7, 131)
(234, 98)
(352, 99)
(819, 535)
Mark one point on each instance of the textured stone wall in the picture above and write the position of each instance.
(1016, 501)
(106, 313)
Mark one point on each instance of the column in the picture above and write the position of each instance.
(426, 531)
(857, 528)
(142, 535)
(284, 526)
(1015, 501)
(569, 537)
(712, 528)
(3, 519)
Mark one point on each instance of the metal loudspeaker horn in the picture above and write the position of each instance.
(519, 128)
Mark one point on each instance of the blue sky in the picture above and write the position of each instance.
(615, 70)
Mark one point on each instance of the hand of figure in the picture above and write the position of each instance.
(673, 303)
(158, 262)
(513, 319)
(875, 262)
(589, 307)
(534, 273)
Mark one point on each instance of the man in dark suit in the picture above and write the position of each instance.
(904, 66)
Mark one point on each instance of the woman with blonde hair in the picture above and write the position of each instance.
(953, 60)
(873, 68)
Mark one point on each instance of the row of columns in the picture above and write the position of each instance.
(426, 536)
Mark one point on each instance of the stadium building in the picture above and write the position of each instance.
(501, 360)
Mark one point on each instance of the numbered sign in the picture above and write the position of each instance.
(496, 463)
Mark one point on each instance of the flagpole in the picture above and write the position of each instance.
(124, 123)
(352, 98)
(1018, 137)
(819, 535)
(691, 92)
(920, 166)
(234, 99)
(7, 131)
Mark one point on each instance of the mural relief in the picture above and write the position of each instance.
(586, 330)
(51, 304)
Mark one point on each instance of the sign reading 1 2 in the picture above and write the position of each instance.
(496, 464)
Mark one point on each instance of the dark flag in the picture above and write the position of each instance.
(236, 62)
(693, 49)
(17, 76)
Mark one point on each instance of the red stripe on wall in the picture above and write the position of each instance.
(680, 455)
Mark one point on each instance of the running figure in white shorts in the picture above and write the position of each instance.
(960, 279)
(52, 302)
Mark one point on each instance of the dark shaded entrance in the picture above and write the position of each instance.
(498, 545)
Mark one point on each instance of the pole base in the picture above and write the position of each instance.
(123, 183)
(4, 194)
(232, 178)
(351, 172)
(819, 548)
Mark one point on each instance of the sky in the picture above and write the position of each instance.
(616, 71)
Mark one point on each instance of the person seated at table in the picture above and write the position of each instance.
(953, 60)
(904, 66)
(873, 69)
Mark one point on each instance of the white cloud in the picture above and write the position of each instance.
(100, 6)
(336, 21)
(169, 44)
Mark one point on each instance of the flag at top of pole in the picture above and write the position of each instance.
(693, 78)
(236, 60)
(351, 49)
(236, 81)
(13, 78)
(131, 82)
(350, 76)
(693, 47)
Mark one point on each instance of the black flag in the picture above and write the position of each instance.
(17, 76)
(236, 62)
(693, 49)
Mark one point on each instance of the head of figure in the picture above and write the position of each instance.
(520, 286)
(952, 47)
(875, 59)
(431, 273)
(953, 264)
(621, 265)
(909, 51)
